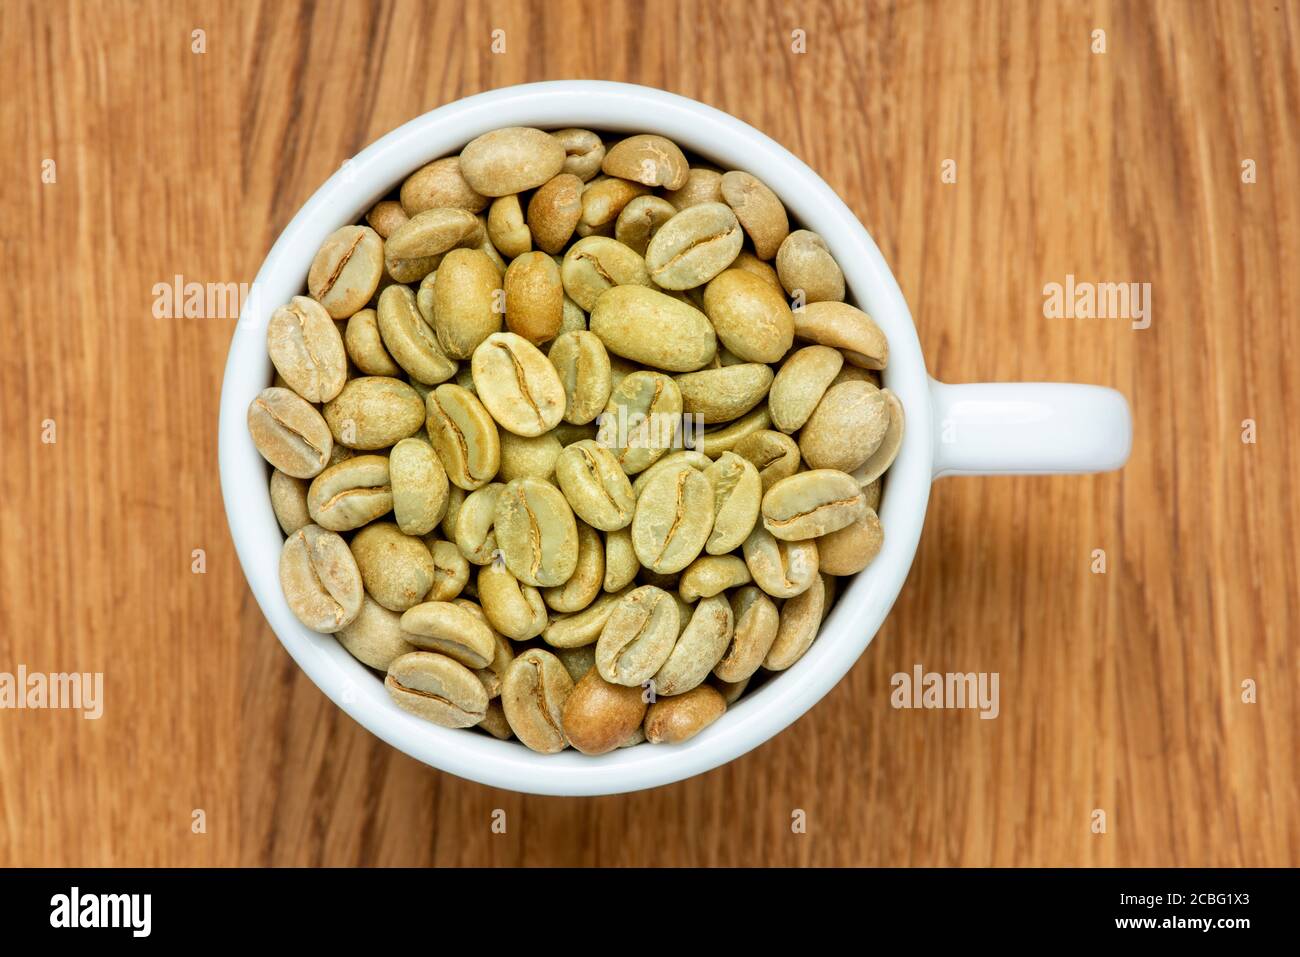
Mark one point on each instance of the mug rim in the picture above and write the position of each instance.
(863, 601)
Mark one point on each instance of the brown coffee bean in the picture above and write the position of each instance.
(599, 716)
(681, 717)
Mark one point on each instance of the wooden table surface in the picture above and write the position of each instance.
(1120, 692)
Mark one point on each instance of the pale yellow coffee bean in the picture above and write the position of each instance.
(289, 502)
(438, 689)
(696, 460)
(584, 585)
(654, 329)
(494, 674)
(883, 457)
(374, 412)
(757, 267)
(806, 267)
(850, 373)
(584, 627)
(621, 564)
(488, 249)
(514, 609)
(517, 384)
(466, 301)
(640, 220)
(703, 185)
(320, 579)
(409, 339)
(450, 569)
(537, 533)
(638, 636)
(811, 504)
(801, 617)
(852, 548)
(417, 247)
(385, 216)
(577, 661)
(419, 486)
(455, 499)
(534, 297)
(603, 200)
(595, 485)
(711, 575)
(352, 493)
(375, 637)
(584, 152)
(346, 270)
(726, 393)
(464, 435)
(582, 362)
(450, 630)
(698, 649)
(843, 327)
(365, 346)
(475, 533)
(597, 263)
(507, 228)
(679, 718)
(737, 497)
(339, 453)
(673, 519)
(641, 420)
(289, 433)
(528, 456)
(872, 491)
(397, 569)
(694, 246)
(756, 621)
(534, 693)
(847, 427)
(774, 454)
(573, 319)
(759, 210)
(800, 384)
(554, 211)
(751, 319)
(728, 437)
(782, 569)
(599, 716)
(511, 160)
(648, 159)
(439, 184)
(307, 350)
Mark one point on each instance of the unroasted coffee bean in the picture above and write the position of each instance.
(374, 412)
(385, 216)
(883, 457)
(595, 485)
(450, 630)
(812, 503)
(584, 152)
(536, 533)
(852, 548)
(365, 345)
(774, 454)
(752, 320)
(439, 184)
(409, 339)
(597, 263)
(577, 661)
(554, 211)
(847, 427)
(703, 185)
(346, 270)
(511, 160)
(681, 717)
(350, 494)
(728, 437)
(696, 460)
(320, 579)
(417, 246)
(507, 228)
(438, 689)
(621, 564)
(465, 302)
(475, 534)
(647, 159)
(514, 609)
(806, 267)
(534, 297)
(843, 327)
(524, 456)
(599, 716)
(640, 220)
(638, 636)
(799, 386)
(289, 433)
(518, 384)
(603, 201)
(584, 627)
(641, 420)
(782, 569)
(694, 246)
(375, 637)
(583, 365)
(289, 502)
(737, 497)
(464, 436)
(711, 575)
(674, 516)
(397, 569)
(801, 616)
(450, 569)
(307, 350)
(419, 486)
(583, 586)
(654, 329)
(534, 693)
(726, 393)
(699, 648)
(759, 211)
(755, 625)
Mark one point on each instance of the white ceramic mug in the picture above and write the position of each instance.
(972, 429)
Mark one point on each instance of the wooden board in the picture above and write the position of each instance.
(1119, 691)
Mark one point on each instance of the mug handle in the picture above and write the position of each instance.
(1029, 428)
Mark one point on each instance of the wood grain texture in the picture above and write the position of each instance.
(1119, 691)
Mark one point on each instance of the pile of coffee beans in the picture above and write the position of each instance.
(572, 439)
